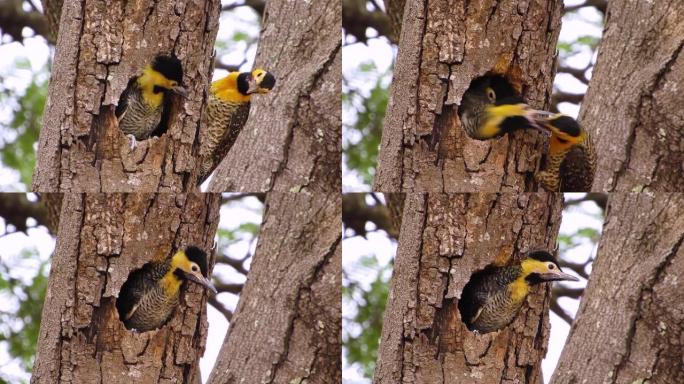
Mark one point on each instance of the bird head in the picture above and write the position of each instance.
(562, 127)
(257, 81)
(165, 73)
(540, 267)
(191, 264)
(494, 98)
(238, 87)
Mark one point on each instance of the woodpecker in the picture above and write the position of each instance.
(150, 295)
(144, 100)
(491, 108)
(229, 102)
(571, 163)
(492, 298)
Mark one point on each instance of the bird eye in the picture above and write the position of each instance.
(490, 94)
(551, 266)
(194, 268)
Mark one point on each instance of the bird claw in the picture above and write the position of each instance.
(134, 142)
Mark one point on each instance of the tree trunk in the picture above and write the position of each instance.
(102, 238)
(52, 10)
(629, 325)
(395, 12)
(101, 45)
(443, 240)
(443, 47)
(634, 103)
(286, 328)
(295, 145)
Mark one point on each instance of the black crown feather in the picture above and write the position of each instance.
(567, 124)
(541, 255)
(168, 66)
(198, 257)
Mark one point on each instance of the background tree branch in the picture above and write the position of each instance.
(16, 208)
(13, 19)
(356, 18)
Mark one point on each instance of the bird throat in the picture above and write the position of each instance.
(519, 289)
(147, 82)
(171, 283)
(226, 90)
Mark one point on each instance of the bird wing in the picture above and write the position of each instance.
(474, 297)
(163, 125)
(575, 171)
(132, 292)
(122, 106)
(132, 311)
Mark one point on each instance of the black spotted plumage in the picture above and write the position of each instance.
(577, 169)
(142, 303)
(493, 297)
(485, 303)
(136, 113)
(570, 170)
(136, 117)
(225, 121)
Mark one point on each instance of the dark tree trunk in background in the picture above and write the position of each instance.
(634, 103)
(101, 239)
(52, 10)
(395, 12)
(629, 325)
(445, 45)
(101, 45)
(295, 144)
(286, 328)
(443, 240)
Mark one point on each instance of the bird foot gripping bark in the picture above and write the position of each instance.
(134, 142)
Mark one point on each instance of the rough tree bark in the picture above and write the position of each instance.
(286, 328)
(634, 103)
(295, 145)
(101, 45)
(443, 240)
(444, 45)
(629, 327)
(101, 239)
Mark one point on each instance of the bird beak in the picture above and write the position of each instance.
(253, 86)
(538, 120)
(180, 90)
(557, 276)
(201, 280)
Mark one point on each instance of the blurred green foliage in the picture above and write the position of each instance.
(21, 134)
(234, 50)
(20, 326)
(245, 231)
(567, 49)
(361, 333)
(362, 136)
